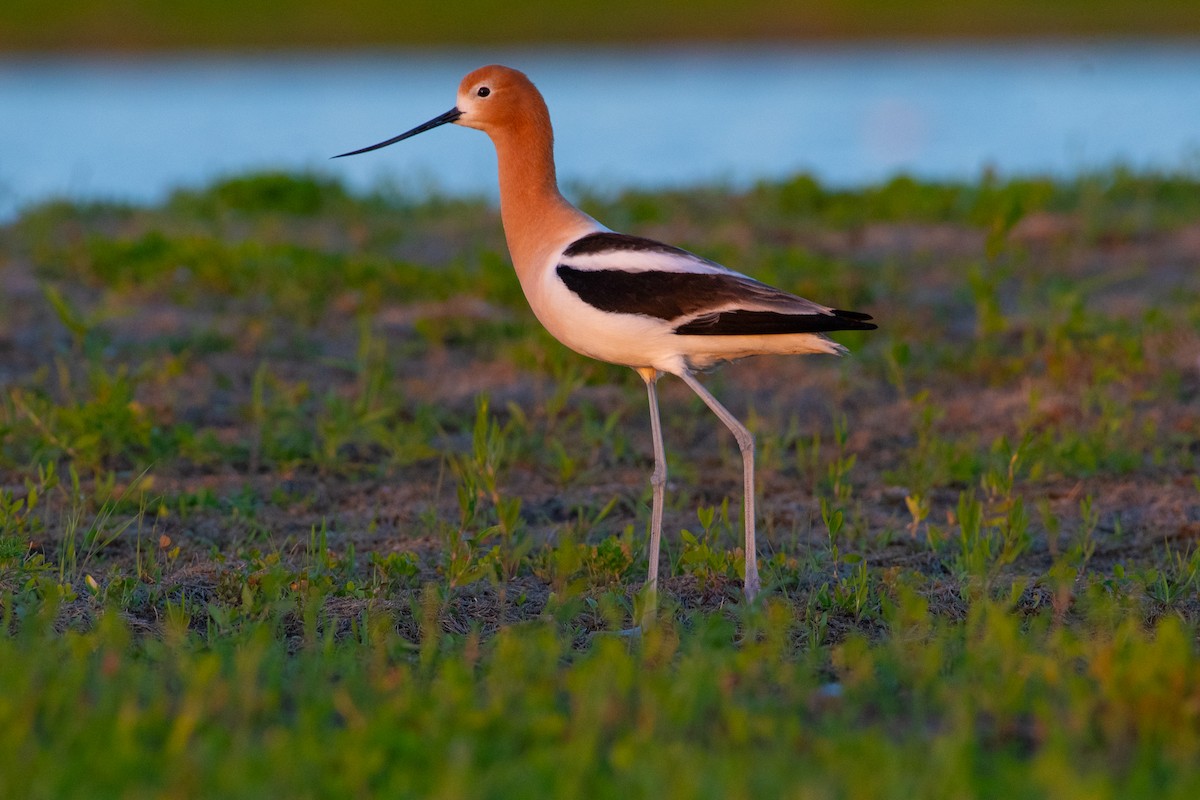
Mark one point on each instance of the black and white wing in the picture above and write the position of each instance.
(630, 275)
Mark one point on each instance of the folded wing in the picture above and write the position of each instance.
(624, 274)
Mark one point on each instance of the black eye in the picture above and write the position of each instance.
(483, 91)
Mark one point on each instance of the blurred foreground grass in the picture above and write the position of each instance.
(124, 25)
(995, 705)
(296, 499)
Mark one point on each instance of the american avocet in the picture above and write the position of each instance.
(625, 299)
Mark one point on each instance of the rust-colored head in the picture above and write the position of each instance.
(494, 99)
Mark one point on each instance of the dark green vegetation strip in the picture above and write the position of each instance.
(141, 25)
(296, 498)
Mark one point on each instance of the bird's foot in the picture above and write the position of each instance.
(752, 587)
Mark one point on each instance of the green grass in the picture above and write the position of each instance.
(710, 706)
(136, 24)
(297, 499)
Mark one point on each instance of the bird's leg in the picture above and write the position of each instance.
(745, 441)
(658, 482)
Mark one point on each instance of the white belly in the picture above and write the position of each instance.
(633, 340)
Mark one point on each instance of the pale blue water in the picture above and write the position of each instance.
(133, 129)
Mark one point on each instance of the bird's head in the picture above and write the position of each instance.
(494, 99)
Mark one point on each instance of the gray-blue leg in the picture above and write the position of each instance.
(658, 482)
(745, 441)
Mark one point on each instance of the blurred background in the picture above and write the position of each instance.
(127, 99)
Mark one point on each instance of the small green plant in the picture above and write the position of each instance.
(611, 559)
(86, 336)
(87, 534)
(833, 519)
(1089, 518)
(22, 517)
(278, 414)
(918, 508)
(461, 549)
(851, 594)
(838, 482)
(393, 573)
(1068, 570)
(479, 475)
(1177, 579)
(994, 531)
(701, 556)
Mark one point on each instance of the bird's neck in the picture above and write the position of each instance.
(537, 219)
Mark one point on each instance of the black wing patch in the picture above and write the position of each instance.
(665, 295)
(674, 295)
(742, 322)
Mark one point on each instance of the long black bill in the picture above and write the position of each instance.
(449, 116)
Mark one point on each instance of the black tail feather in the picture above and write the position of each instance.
(748, 323)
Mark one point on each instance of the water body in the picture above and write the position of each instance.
(133, 129)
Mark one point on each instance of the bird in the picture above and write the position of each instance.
(626, 299)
